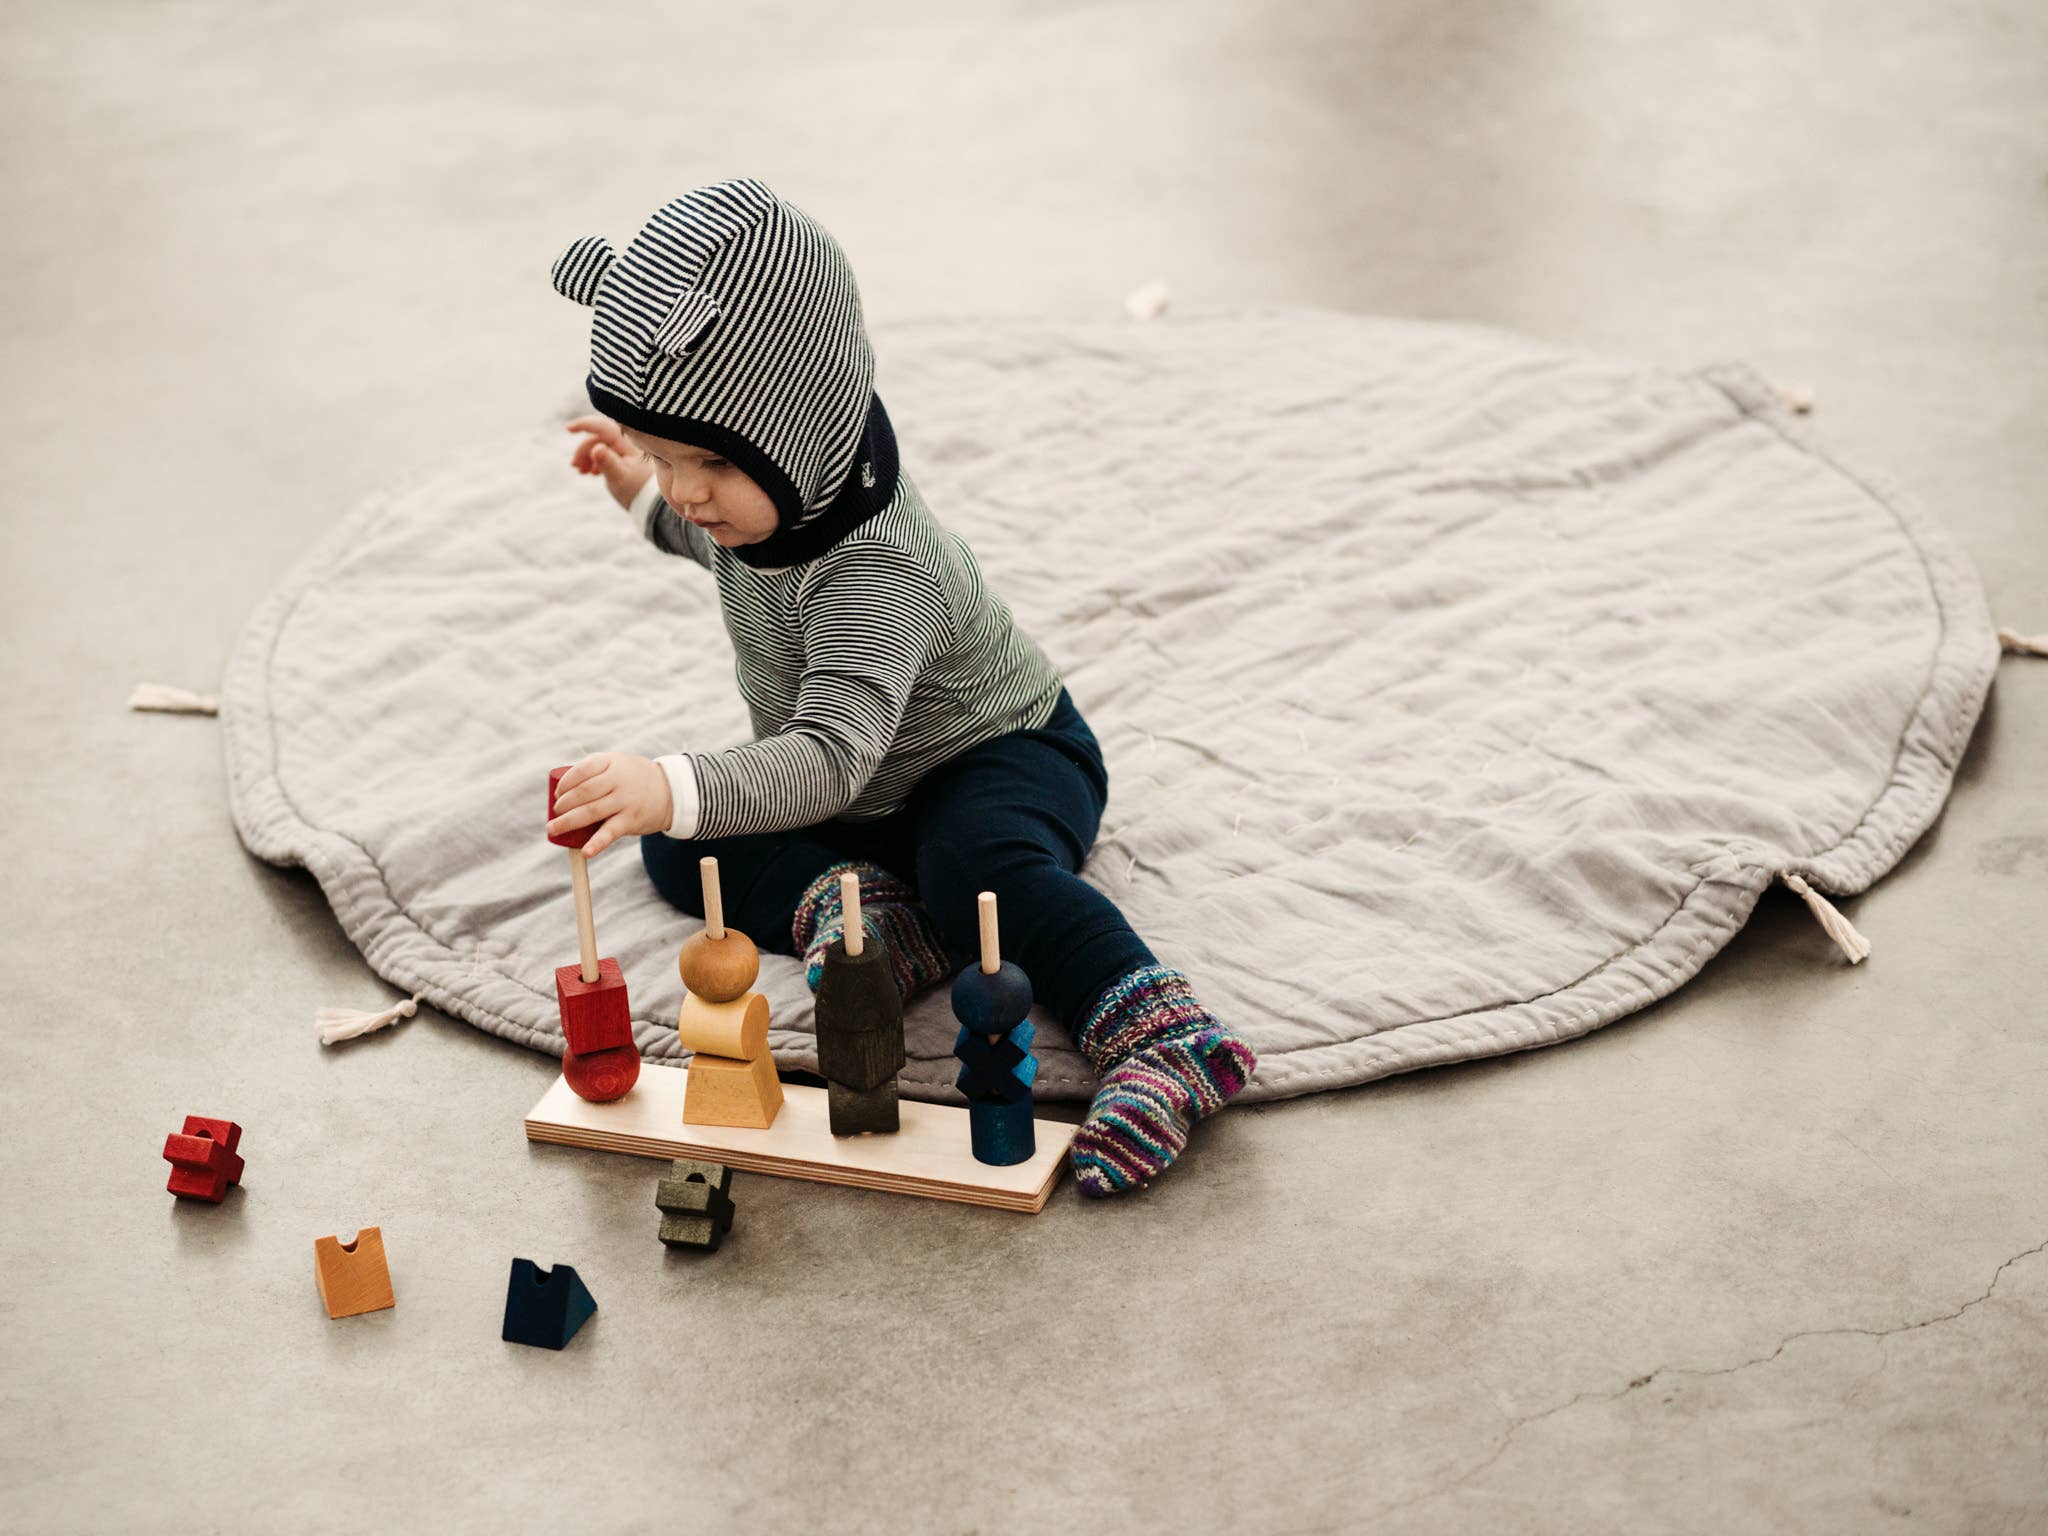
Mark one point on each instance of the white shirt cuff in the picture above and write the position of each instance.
(682, 789)
(645, 505)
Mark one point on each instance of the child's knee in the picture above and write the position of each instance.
(951, 885)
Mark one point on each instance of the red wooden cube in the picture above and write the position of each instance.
(203, 1159)
(595, 1014)
(581, 835)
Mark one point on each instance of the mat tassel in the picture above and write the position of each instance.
(2023, 645)
(1839, 928)
(1796, 398)
(172, 701)
(1146, 303)
(346, 1023)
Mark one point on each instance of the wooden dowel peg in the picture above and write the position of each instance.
(849, 904)
(714, 904)
(586, 921)
(991, 949)
(579, 879)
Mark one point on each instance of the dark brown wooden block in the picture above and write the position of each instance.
(863, 1111)
(859, 1018)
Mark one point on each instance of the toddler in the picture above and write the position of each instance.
(907, 729)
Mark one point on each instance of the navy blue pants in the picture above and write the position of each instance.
(1015, 815)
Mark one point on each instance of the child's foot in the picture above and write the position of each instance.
(1164, 1063)
(889, 912)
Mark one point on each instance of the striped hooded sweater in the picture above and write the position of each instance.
(867, 647)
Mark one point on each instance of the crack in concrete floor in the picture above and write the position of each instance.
(1500, 1449)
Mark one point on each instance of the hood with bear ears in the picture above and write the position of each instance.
(732, 323)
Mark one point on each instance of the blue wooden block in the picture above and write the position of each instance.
(990, 1005)
(999, 1085)
(1002, 1134)
(1000, 1069)
(545, 1308)
(1006, 1049)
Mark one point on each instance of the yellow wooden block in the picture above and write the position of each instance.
(723, 1091)
(737, 1029)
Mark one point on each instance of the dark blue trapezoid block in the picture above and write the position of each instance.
(545, 1308)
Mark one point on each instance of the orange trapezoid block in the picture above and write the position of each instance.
(353, 1276)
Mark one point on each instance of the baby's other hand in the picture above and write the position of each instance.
(628, 794)
(603, 450)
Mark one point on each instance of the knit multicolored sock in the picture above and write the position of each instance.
(889, 911)
(1164, 1064)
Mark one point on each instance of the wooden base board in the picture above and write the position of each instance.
(931, 1155)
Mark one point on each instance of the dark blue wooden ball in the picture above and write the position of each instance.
(987, 1004)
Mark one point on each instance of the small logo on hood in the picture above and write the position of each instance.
(867, 473)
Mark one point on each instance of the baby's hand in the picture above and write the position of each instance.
(603, 450)
(628, 794)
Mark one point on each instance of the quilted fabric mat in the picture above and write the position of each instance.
(1460, 694)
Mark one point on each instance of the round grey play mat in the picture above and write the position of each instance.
(1460, 694)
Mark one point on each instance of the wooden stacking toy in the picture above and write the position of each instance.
(354, 1276)
(859, 1019)
(695, 1201)
(203, 1159)
(599, 1060)
(992, 1001)
(732, 1077)
(544, 1308)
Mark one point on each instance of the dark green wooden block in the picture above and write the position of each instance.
(705, 1232)
(696, 1206)
(687, 1180)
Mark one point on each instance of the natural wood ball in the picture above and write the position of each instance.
(719, 970)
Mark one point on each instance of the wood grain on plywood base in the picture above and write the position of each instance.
(931, 1155)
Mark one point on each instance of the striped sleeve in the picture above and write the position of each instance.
(872, 619)
(644, 505)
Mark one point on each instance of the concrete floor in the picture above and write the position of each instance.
(1767, 1257)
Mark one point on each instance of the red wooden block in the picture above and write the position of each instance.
(582, 835)
(203, 1159)
(595, 1014)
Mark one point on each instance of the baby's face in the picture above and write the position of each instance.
(714, 493)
